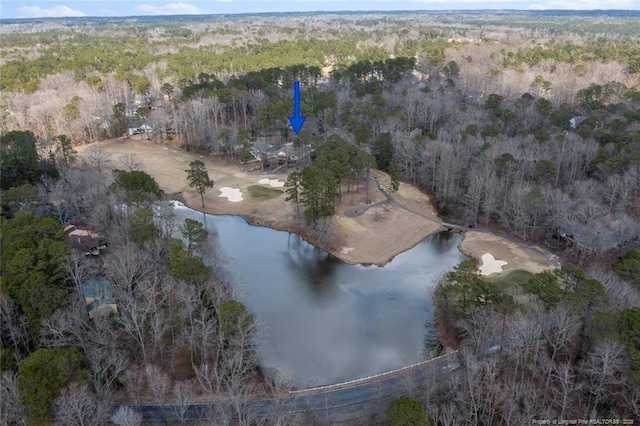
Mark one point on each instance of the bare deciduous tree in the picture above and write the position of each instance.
(99, 159)
(282, 404)
(604, 368)
(134, 382)
(566, 386)
(77, 405)
(158, 382)
(13, 326)
(11, 411)
(560, 330)
(130, 162)
(182, 396)
(482, 328)
(126, 416)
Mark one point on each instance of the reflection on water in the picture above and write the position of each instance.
(314, 267)
(323, 321)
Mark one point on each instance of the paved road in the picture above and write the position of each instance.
(358, 211)
(396, 384)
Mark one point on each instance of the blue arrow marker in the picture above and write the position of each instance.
(296, 120)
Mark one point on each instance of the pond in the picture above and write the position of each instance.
(323, 321)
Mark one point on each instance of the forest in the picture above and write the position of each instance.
(522, 123)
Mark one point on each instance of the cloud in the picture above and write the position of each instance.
(170, 9)
(52, 12)
(583, 5)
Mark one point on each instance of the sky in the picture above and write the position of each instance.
(63, 8)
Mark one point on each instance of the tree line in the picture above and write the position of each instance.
(178, 334)
(561, 344)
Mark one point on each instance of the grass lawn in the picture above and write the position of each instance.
(262, 193)
(509, 281)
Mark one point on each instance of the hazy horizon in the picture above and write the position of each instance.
(14, 9)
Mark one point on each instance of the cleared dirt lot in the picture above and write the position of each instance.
(375, 237)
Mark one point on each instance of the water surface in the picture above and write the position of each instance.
(321, 320)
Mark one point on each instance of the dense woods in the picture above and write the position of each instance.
(177, 335)
(523, 123)
(564, 345)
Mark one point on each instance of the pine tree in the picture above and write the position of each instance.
(198, 178)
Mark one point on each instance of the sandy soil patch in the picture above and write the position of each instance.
(490, 265)
(232, 194)
(272, 182)
(476, 244)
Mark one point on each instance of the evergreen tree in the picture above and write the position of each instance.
(293, 190)
(33, 248)
(198, 178)
(18, 158)
(193, 231)
(42, 375)
(405, 411)
(138, 185)
(119, 123)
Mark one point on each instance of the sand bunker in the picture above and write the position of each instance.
(346, 250)
(490, 265)
(272, 182)
(232, 194)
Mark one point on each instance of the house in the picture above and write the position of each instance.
(608, 233)
(81, 238)
(138, 130)
(97, 291)
(575, 121)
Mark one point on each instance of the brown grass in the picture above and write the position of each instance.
(375, 237)
(475, 244)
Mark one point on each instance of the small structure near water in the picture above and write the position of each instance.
(98, 296)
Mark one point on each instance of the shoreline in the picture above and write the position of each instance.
(386, 228)
(374, 237)
(292, 227)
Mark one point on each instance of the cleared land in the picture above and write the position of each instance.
(386, 230)
(375, 237)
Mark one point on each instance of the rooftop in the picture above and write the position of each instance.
(98, 296)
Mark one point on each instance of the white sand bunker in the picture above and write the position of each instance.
(490, 265)
(272, 182)
(346, 250)
(232, 194)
